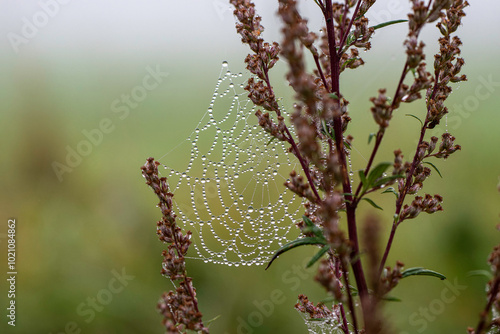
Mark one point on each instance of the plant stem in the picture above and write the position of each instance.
(339, 144)
(346, 32)
(493, 293)
(349, 298)
(404, 191)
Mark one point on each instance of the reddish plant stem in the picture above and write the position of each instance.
(381, 132)
(339, 144)
(349, 297)
(336, 265)
(346, 32)
(344, 327)
(493, 293)
(188, 286)
(320, 71)
(409, 177)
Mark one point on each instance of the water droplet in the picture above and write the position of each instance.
(224, 64)
(250, 209)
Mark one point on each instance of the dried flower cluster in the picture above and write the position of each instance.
(180, 307)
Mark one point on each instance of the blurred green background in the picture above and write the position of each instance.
(61, 77)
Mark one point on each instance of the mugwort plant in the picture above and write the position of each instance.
(317, 136)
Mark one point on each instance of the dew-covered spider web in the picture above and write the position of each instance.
(227, 178)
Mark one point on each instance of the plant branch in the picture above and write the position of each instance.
(346, 32)
(493, 294)
(339, 144)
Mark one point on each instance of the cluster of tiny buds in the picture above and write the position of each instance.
(381, 109)
(320, 311)
(172, 265)
(362, 33)
(328, 212)
(428, 204)
(327, 278)
(298, 185)
(446, 148)
(261, 95)
(308, 137)
(179, 309)
(419, 176)
(276, 130)
(262, 60)
(390, 278)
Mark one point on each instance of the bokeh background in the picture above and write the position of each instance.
(61, 77)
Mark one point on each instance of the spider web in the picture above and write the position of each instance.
(227, 178)
(322, 326)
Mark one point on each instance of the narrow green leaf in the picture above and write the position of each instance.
(484, 273)
(350, 38)
(377, 172)
(270, 141)
(416, 118)
(388, 23)
(391, 299)
(435, 168)
(362, 178)
(212, 320)
(308, 221)
(297, 243)
(391, 190)
(386, 179)
(318, 256)
(311, 227)
(372, 203)
(334, 96)
(421, 272)
(370, 137)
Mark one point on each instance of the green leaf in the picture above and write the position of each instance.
(484, 273)
(376, 173)
(435, 168)
(350, 39)
(421, 272)
(296, 243)
(370, 137)
(311, 227)
(362, 178)
(390, 190)
(386, 179)
(391, 299)
(270, 141)
(212, 320)
(334, 96)
(372, 203)
(318, 256)
(388, 23)
(416, 118)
